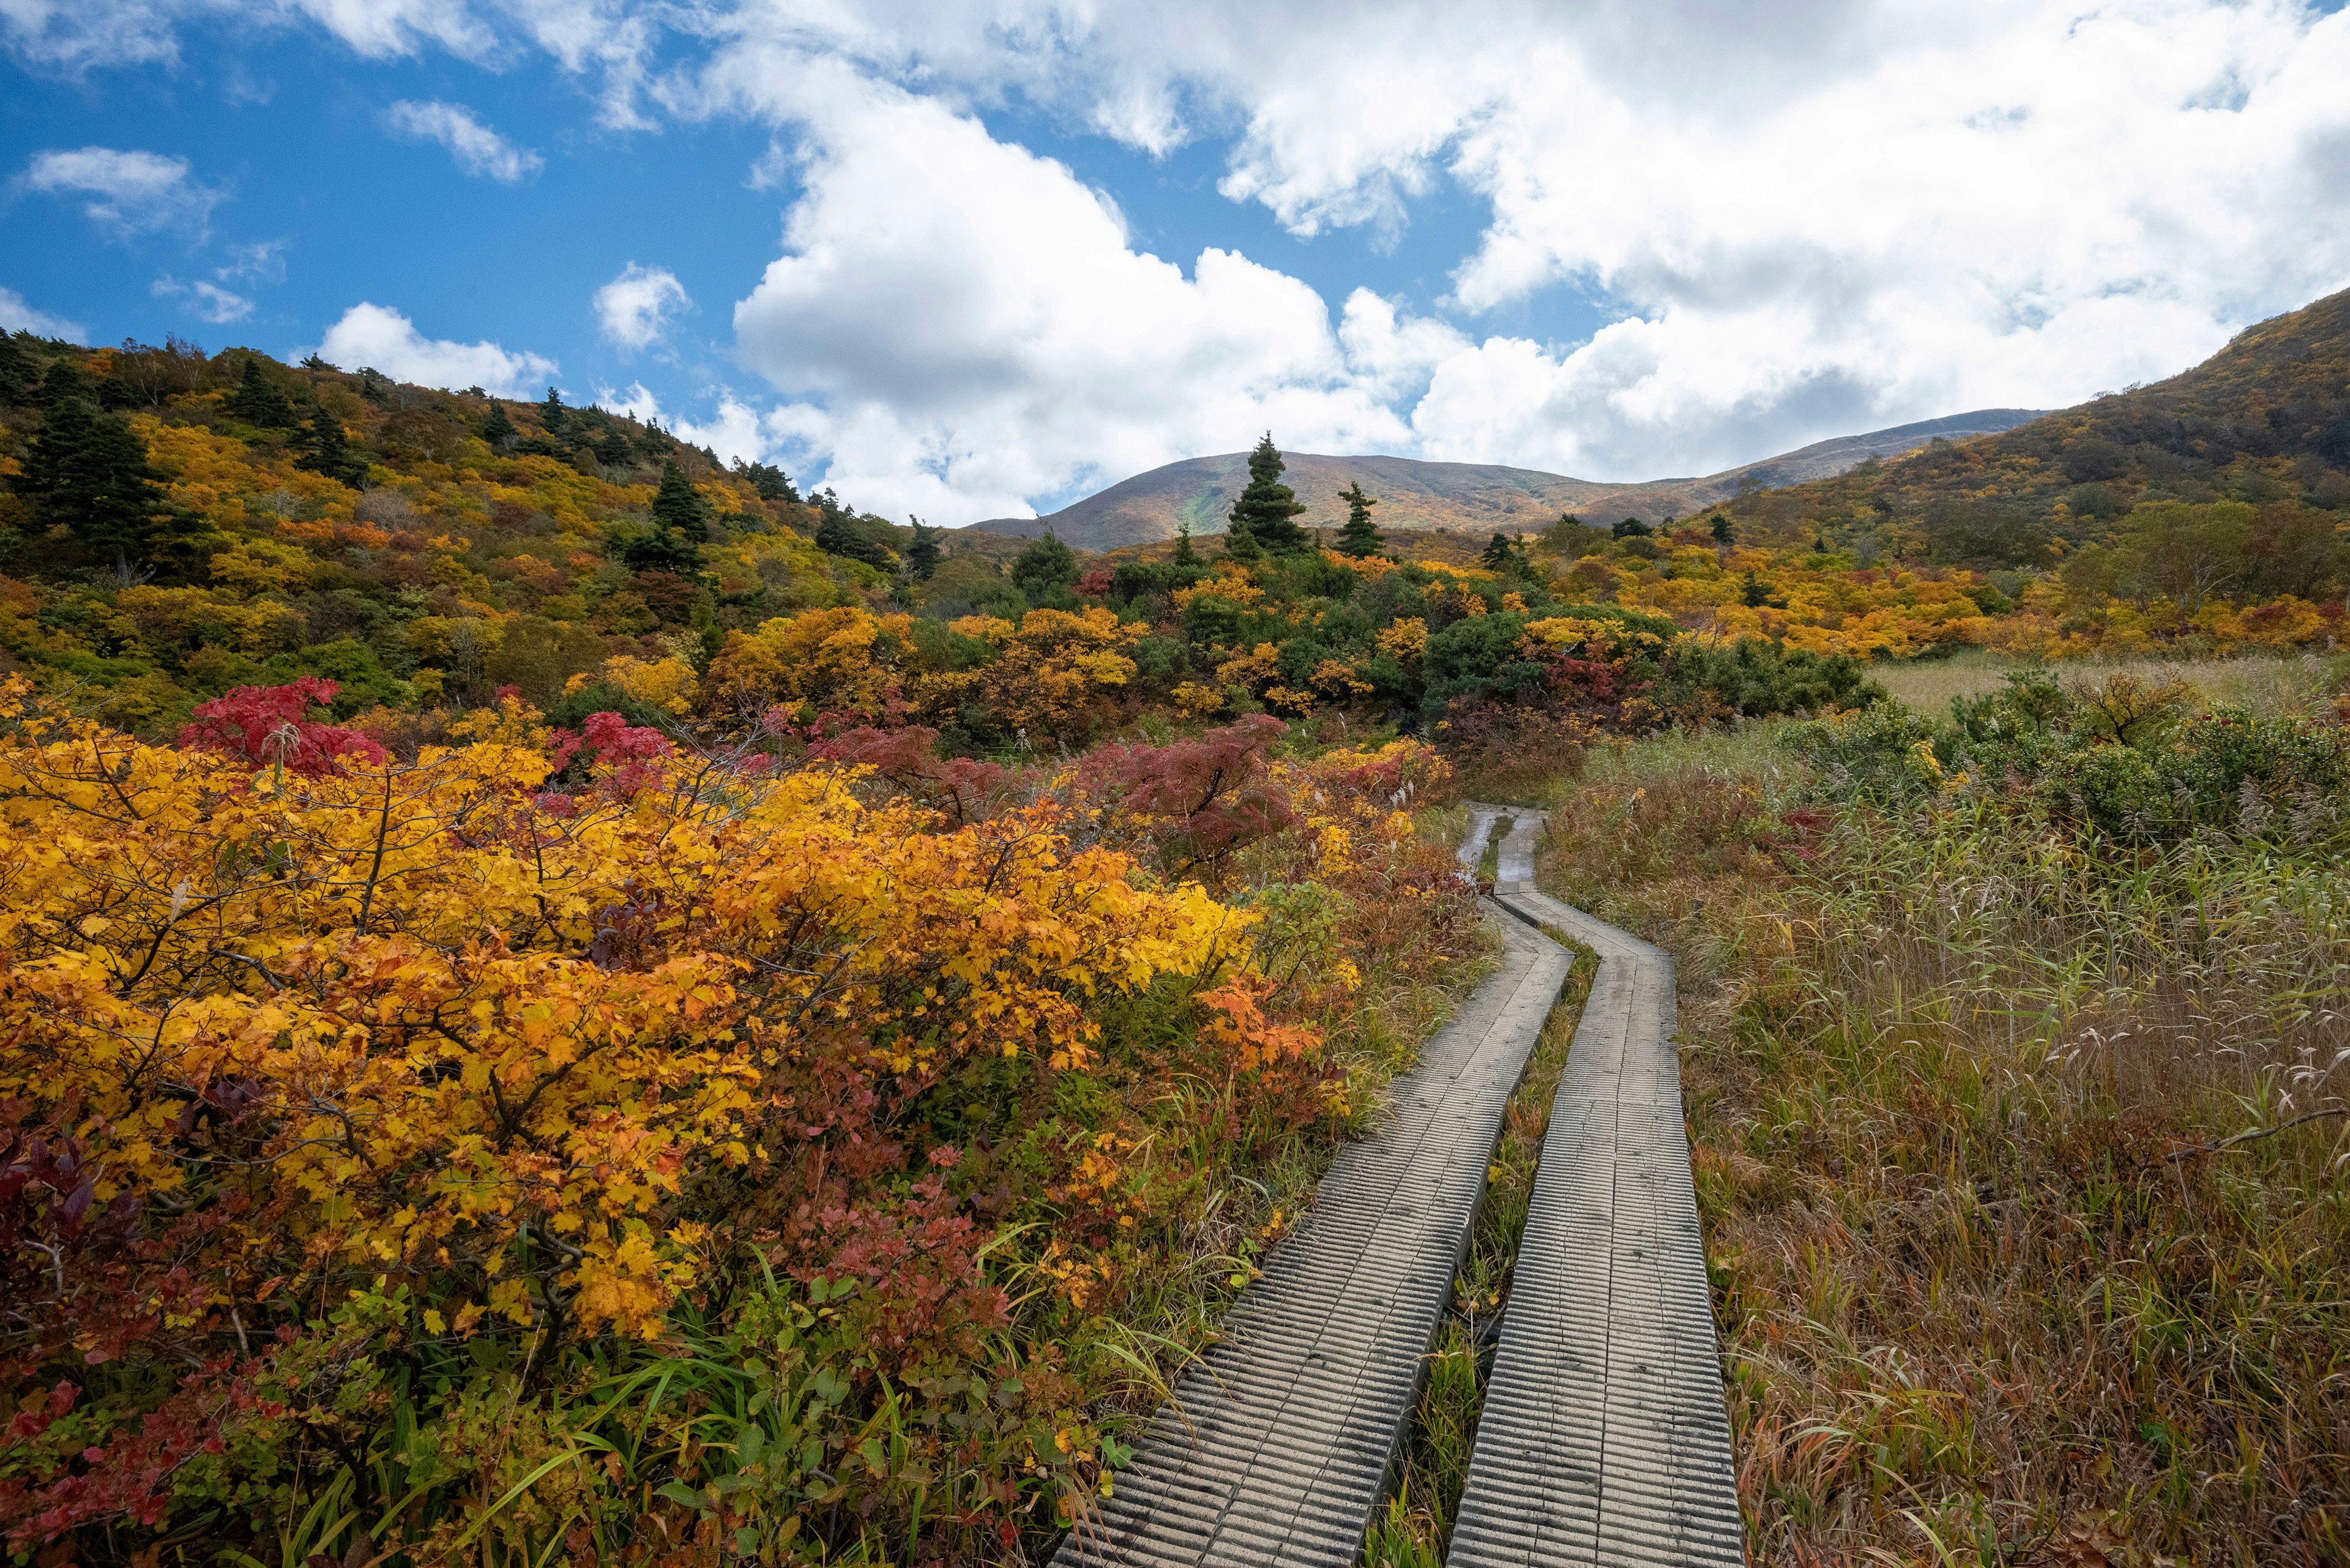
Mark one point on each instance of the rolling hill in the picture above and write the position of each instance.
(1471, 496)
(2265, 421)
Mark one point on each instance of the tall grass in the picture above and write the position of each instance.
(1994, 1285)
(2262, 681)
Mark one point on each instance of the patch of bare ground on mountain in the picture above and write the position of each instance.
(2022, 1177)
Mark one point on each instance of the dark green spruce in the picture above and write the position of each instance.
(1359, 537)
(1267, 510)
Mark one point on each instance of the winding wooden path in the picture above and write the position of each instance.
(1603, 1439)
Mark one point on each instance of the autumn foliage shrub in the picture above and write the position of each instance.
(455, 1144)
(2126, 760)
(266, 724)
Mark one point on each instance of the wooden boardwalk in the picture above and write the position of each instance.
(1603, 1441)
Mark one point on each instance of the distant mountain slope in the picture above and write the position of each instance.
(2266, 419)
(1474, 496)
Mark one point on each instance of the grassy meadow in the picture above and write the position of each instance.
(2019, 1124)
(2259, 680)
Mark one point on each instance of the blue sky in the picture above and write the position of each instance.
(917, 241)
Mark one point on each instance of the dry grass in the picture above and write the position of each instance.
(1987, 1295)
(2259, 681)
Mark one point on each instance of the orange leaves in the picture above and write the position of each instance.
(1237, 1025)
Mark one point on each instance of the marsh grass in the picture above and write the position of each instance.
(2263, 683)
(1989, 1291)
(1415, 1528)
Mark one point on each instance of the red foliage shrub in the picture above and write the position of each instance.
(265, 725)
(1197, 800)
(961, 787)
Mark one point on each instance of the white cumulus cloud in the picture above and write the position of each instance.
(634, 308)
(371, 335)
(961, 326)
(478, 148)
(1768, 225)
(17, 316)
(637, 401)
(1796, 222)
(736, 431)
(128, 192)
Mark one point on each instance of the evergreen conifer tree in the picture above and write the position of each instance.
(325, 450)
(660, 551)
(1360, 536)
(552, 413)
(371, 383)
(678, 508)
(1722, 531)
(771, 483)
(498, 428)
(612, 451)
(1240, 543)
(1499, 555)
(87, 471)
(1046, 564)
(257, 401)
(1267, 506)
(923, 555)
(1185, 555)
(843, 533)
(16, 370)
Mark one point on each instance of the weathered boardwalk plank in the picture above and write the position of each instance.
(1288, 1427)
(1604, 1439)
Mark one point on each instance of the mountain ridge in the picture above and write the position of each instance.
(2265, 421)
(1480, 497)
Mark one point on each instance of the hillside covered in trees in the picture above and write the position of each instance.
(176, 525)
(2263, 424)
(179, 525)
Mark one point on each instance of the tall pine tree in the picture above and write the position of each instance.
(86, 473)
(923, 555)
(257, 401)
(324, 450)
(678, 508)
(1360, 537)
(17, 370)
(1185, 555)
(498, 428)
(680, 522)
(1268, 508)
